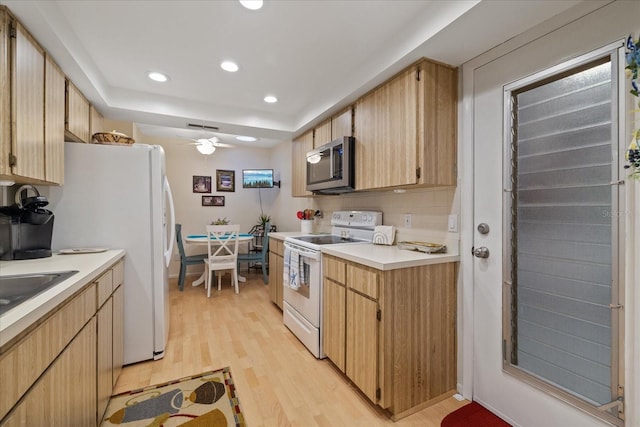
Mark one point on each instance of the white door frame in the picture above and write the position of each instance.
(465, 161)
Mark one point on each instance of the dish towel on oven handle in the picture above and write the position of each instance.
(291, 270)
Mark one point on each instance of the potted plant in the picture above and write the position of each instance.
(258, 228)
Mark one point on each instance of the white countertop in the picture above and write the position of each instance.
(89, 266)
(384, 257)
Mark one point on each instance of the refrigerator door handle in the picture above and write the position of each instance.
(172, 216)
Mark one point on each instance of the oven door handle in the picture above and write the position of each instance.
(303, 252)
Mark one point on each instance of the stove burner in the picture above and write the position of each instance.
(326, 240)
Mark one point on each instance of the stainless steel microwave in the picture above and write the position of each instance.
(331, 168)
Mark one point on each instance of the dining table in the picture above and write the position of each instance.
(201, 239)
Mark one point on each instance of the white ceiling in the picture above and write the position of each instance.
(315, 56)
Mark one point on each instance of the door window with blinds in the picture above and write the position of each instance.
(561, 329)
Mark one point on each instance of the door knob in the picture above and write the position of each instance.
(481, 252)
(483, 228)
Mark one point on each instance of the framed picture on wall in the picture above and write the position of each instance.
(218, 200)
(225, 180)
(201, 184)
(207, 201)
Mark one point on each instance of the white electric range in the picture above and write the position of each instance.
(302, 310)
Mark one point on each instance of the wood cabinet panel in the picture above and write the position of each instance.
(54, 122)
(386, 130)
(118, 332)
(5, 94)
(438, 100)
(334, 322)
(28, 106)
(105, 286)
(322, 134)
(334, 269)
(276, 246)
(96, 122)
(57, 398)
(25, 361)
(104, 366)
(342, 124)
(77, 115)
(425, 369)
(362, 343)
(299, 149)
(276, 266)
(363, 280)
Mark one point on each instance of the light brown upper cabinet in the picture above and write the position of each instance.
(342, 124)
(29, 114)
(299, 149)
(322, 134)
(405, 130)
(54, 122)
(77, 115)
(96, 122)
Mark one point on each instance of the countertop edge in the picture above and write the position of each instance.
(415, 259)
(89, 266)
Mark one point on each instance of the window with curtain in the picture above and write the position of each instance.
(561, 327)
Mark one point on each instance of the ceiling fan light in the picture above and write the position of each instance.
(205, 148)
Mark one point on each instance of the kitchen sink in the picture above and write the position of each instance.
(16, 289)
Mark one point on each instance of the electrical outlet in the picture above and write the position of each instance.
(176, 257)
(453, 223)
(407, 220)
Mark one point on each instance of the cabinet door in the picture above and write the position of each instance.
(77, 115)
(334, 322)
(299, 149)
(5, 94)
(342, 124)
(362, 343)
(118, 332)
(28, 106)
(54, 122)
(105, 356)
(273, 273)
(96, 122)
(322, 134)
(65, 394)
(386, 130)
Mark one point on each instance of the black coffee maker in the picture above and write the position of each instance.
(26, 227)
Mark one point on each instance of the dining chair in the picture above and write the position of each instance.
(184, 259)
(260, 257)
(222, 250)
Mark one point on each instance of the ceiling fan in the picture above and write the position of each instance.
(208, 145)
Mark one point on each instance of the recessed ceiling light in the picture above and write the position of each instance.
(246, 138)
(251, 4)
(270, 99)
(229, 66)
(158, 77)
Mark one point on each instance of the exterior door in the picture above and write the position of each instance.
(508, 396)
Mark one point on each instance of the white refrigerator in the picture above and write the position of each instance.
(119, 197)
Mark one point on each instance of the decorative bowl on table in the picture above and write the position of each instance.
(112, 137)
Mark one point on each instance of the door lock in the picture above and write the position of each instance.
(481, 252)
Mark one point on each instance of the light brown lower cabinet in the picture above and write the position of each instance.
(60, 397)
(392, 332)
(63, 371)
(276, 266)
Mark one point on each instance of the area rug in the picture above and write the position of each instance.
(208, 399)
(473, 415)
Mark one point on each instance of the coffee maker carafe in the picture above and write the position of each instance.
(26, 227)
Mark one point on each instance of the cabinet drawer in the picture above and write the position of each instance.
(105, 286)
(118, 274)
(21, 366)
(334, 269)
(363, 280)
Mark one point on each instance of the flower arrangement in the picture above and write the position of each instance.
(307, 214)
(632, 58)
(219, 221)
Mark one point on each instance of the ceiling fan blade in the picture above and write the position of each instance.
(223, 145)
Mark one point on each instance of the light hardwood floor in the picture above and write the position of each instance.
(279, 382)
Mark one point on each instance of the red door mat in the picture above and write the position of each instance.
(473, 415)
